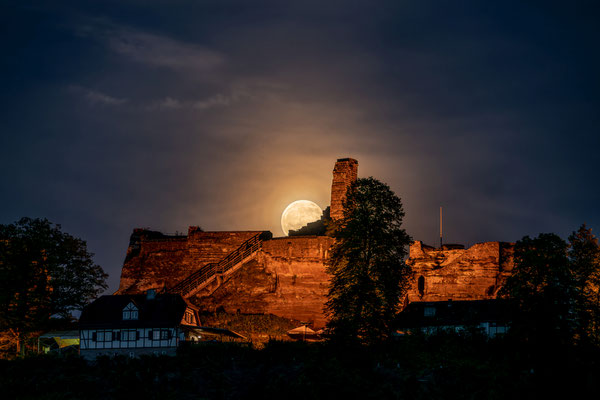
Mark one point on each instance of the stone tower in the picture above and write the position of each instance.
(344, 173)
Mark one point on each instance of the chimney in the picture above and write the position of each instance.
(150, 294)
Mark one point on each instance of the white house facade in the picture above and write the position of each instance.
(133, 325)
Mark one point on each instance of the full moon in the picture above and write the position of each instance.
(298, 214)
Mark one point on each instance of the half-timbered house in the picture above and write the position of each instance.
(137, 324)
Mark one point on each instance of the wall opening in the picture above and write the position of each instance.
(421, 285)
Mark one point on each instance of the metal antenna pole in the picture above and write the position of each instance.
(441, 236)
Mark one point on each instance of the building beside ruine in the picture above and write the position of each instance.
(132, 325)
(490, 317)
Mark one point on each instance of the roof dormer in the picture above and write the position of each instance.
(130, 312)
(190, 317)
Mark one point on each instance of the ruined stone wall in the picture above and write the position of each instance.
(287, 279)
(345, 172)
(155, 260)
(299, 264)
(475, 273)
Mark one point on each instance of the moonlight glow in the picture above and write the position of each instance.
(298, 214)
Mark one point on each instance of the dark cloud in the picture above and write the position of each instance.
(161, 114)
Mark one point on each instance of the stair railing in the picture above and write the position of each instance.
(245, 250)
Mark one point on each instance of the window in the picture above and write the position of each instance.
(429, 311)
(129, 335)
(102, 336)
(189, 317)
(159, 334)
(130, 312)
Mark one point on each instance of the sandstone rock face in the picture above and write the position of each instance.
(344, 173)
(288, 279)
(456, 273)
(156, 261)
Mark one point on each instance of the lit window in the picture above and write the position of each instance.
(189, 317)
(130, 312)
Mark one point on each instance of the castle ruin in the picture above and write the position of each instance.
(252, 272)
(455, 273)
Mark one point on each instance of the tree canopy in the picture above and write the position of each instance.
(584, 257)
(554, 287)
(368, 274)
(44, 272)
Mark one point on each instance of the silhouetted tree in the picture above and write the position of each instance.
(44, 272)
(554, 287)
(584, 257)
(366, 264)
(541, 287)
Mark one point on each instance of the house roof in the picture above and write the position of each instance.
(61, 335)
(302, 329)
(444, 313)
(164, 310)
(303, 332)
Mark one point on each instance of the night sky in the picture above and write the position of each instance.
(166, 114)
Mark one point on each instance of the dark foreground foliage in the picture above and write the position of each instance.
(444, 366)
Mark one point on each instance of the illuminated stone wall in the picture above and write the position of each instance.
(457, 273)
(155, 260)
(345, 172)
(288, 279)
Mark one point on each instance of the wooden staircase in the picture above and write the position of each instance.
(212, 272)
